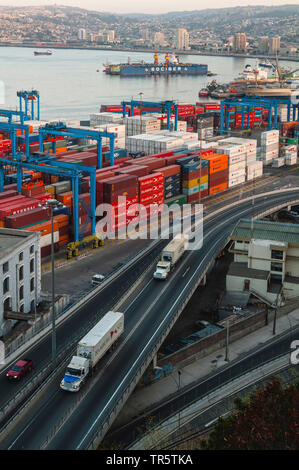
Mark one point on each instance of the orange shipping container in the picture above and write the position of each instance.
(217, 189)
(62, 220)
(217, 162)
(44, 227)
(66, 198)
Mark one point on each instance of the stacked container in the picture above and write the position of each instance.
(269, 146)
(218, 172)
(172, 180)
(141, 125)
(97, 119)
(151, 191)
(113, 188)
(205, 127)
(236, 162)
(254, 170)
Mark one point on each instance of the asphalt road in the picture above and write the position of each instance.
(145, 318)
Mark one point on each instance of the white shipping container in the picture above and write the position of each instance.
(236, 174)
(236, 166)
(278, 162)
(46, 240)
(236, 181)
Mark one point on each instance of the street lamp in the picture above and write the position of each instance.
(52, 203)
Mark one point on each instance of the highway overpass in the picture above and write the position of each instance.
(80, 421)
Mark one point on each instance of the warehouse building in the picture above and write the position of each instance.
(20, 268)
(266, 260)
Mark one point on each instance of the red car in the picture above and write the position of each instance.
(19, 369)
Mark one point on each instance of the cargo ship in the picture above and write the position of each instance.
(171, 66)
(48, 52)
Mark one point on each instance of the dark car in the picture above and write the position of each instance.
(19, 369)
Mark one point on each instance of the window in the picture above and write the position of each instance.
(21, 292)
(32, 284)
(21, 309)
(276, 254)
(6, 285)
(7, 304)
(21, 256)
(5, 267)
(276, 267)
(21, 273)
(32, 249)
(32, 265)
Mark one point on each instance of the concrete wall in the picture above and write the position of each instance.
(215, 341)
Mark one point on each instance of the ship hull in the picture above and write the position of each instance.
(144, 70)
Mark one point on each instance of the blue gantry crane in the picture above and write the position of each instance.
(60, 129)
(30, 98)
(147, 107)
(271, 104)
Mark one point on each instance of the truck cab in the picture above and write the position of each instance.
(162, 270)
(75, 374)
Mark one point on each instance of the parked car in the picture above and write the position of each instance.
(19, 369)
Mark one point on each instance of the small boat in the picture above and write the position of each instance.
(203, 92)
(267, 64)
(48, 52)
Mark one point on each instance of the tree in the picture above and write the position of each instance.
(267, 420)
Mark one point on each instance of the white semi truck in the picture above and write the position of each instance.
(91, 349)
(170, 256)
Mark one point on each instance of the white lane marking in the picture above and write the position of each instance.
(188, 269)
(162, 323)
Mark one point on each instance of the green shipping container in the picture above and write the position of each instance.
(180, 200)
(292, 141)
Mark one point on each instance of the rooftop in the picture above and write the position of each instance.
(280, 232)
(242, 270)
(11, 239)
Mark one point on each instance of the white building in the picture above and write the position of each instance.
(20, 268)
(182, 39)
(266, 260)
(82, 34)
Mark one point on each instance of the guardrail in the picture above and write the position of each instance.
(142, 364)
(225, 390)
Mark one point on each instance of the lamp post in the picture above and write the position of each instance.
(52, 203)
(141, 98)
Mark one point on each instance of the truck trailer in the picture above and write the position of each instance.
(170, 256)
(91, 349)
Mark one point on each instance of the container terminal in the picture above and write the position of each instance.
(150, 152)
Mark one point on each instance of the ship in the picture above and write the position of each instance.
(171, 66)
(48, 52)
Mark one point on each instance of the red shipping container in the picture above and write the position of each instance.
(18, 208)
(134, 170)
(169, 170)
(151, 189)
(154, 197)
(12, 200)
(154, 178)
(8, 193)
(28, 218)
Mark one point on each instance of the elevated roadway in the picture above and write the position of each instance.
(80, 421)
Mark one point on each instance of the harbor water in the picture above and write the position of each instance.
(72, 83)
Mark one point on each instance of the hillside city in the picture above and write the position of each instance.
(240, 30)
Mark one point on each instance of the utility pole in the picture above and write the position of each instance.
(227, 342)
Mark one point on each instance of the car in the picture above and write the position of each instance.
(19, 369)
(97, 279)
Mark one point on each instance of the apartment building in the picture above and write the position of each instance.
(20, 268)
(266, 260)
(182, 39)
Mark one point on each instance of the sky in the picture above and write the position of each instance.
(154, 6)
